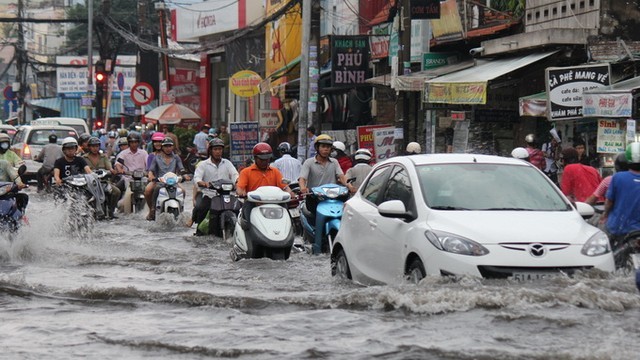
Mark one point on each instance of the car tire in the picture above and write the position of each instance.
(340, 267)
(416, 271)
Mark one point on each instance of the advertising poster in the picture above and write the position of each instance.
(384, 143)
(566, 85)
(611, 138)
(244, 136)
(365, 137)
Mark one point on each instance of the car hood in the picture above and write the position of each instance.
(492, 227)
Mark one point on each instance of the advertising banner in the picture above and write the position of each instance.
(607, 105)
(384, 143)
(349, 60)
(184, 85)
(244, 136)
(611, 138)
(566, 85)
(245, 83)
(283, 38)
(365, 137)
(72, 81)
(457, 93)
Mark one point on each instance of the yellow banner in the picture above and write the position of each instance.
(457, 93)
(245, 83)
(283, 38)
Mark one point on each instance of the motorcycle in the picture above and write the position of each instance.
(192, 159)
(171, 196)
(89, 187)
(223, 211)
(11, 218)
(294, 208)
(268, 232)
(321, 226)
(133, 198)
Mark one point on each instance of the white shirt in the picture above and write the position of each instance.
(289, 167)
(207, 171)
(200, 141)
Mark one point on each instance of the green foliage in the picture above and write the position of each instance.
(516, 7)
(185, 137)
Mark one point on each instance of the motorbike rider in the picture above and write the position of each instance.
(322, 168)
(623, 198)
(413, 148)
(360, 170)
(122, 144)
(340, 154)
(9, 174)
(5, 154)
(156, 146)
(83, 144)
(166, 161)
(288, 165)
(259, 174)
(47, 156)
(210, 170)
(200, 140)
(97, 160)
(69, 164)
(134, 158)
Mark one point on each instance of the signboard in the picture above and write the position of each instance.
(8, 93)
(268, 120)
(435, 60)
(142, 94)
(189, 22)
(425, 9)
(566, 85)
(245, 83)
(379, 41)
(607, 105)
(611, 138)
(365, 137)
(384, 143)
(631, 130)
(72, 81)
(349, 60)
(460, 136)
(244, 136)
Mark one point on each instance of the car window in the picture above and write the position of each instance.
(371, 189)
(495, 187)
(19, 137)
(398, 187)
(41, 136)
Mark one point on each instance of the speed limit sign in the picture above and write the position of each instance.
(142, 94)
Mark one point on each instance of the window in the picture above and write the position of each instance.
(398, 187)
(371, 189)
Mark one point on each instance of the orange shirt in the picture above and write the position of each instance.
(252, 178)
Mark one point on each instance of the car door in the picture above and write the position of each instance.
(356, 228)
(390, 233)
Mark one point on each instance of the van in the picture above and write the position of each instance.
(80, 125)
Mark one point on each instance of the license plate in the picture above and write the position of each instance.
(294, 212)
(532, 276)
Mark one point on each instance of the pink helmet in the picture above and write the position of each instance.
(157, 136)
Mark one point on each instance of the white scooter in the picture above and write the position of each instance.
(171, 196)
(269, 231)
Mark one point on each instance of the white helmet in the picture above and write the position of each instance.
(69, 142)
(363, 155)
(339, 145)
(413, 148)
(520, 153)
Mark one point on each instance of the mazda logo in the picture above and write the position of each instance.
(537, 250)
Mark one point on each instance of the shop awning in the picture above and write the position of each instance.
(416, 81)
(384, 80)
(70, 107)
(48, 103)
(533, 105)
(611, 101)
(469, 86)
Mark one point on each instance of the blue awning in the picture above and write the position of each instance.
(70, 107)
(48, 103)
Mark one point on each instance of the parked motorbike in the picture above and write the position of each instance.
(224, 209)
(11, 218)
(320, 225)
(192, 159)
(171, 196)
(268, 232)
(89, 188)
(133, 198)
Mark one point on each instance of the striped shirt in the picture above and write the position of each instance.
(289, 167)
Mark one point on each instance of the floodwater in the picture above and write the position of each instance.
(134, 289)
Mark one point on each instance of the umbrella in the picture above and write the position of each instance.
(171, 114)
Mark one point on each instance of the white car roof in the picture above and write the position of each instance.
(426, 159)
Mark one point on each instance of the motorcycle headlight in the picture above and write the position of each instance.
(455, 244)
(334, 192)
(227, 187)
(272, 212)
(597, 245)
(78, 181)
(171, 181)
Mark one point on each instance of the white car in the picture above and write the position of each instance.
(463, 214)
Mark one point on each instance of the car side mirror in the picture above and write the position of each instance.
(394, 209)
(585, 210)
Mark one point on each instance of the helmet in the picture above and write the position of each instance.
(123, 132)
(157, 136)
(113, 134)
(284, 148)
(362, 155)
(123, 141)
(323, 139)
(84, 138)
(520, 153)
(133, 137)
(94, 141)
(167, 142)
(530, 139)
(216, 142)
(633, 153)
(339, 145)
(262, 151)
(53, 138)
(4, 137)
(621, 164)
(69, 142)
(213, 131)
(413, 148)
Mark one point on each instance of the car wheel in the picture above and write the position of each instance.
(340, 267)
(416, 271)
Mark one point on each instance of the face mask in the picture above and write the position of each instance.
(4, 146)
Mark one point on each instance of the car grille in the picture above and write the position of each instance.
(554, 246)
(503, 272)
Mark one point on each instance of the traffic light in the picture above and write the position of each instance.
(101, 78)
(98, 124)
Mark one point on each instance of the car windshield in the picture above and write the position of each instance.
(41, 137)
(491, 187)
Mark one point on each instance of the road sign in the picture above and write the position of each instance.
(120, 81)
(8, 93)
(142, 94)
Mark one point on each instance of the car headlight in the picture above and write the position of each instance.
(597, 245)
(272, 212)
(455, 244)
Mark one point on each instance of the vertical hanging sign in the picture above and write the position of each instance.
(349, 60)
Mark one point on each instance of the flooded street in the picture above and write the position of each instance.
(135, 289)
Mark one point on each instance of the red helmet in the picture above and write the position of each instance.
(262, 151)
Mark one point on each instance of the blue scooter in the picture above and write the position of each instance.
(320, 215)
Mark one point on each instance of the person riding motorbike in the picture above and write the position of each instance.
(322, 168)
(47, 156)
(166, 161)
(156, 146)
(9, 174)
(83, 144)
(134, 159)
(413, 148)
(259, 174)
(360, 170)
(288, 165)
(69, 164)
(97, 160)
(6, 154)
(210, 170)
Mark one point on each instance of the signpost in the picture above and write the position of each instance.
(142, 94)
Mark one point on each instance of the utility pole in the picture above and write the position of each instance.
(404, 61)
(308, 74)
(160, 7)
(20, 65)
(90, 60)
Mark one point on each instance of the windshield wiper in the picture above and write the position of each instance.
(446, 207)
(506, 208)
